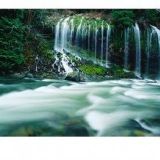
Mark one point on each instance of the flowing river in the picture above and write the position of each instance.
(46, 107)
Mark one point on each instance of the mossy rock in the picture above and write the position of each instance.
(91, 69)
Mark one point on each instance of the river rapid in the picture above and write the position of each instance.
(127, 107)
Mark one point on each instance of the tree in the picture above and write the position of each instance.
(123, 18)
(11, 41)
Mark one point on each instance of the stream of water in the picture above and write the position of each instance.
(46, 107)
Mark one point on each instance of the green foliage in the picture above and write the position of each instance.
(123, 18)
(89, 21)
(11, 44)
(23, 37)
(39, 45)
(152, 16)
(91, 69)
(118, 72)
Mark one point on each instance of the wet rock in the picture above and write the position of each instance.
(76, 127)
(75, 130)
(23, 131)
(29, 75)
(18, 75)
(75, 76)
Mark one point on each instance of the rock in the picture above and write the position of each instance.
(75, 76)
(18, 75)
(29, 75)
(76, 127)
(76, 130)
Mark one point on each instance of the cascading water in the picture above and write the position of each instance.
(107, 44)
(72, 30)
(86, 37)
(148, 49)
(96, 31)
(61, 40)
(89, 34)
(57, 36)
(158, 37)
(126, 47)
(102, 34)
(75, 37)
(83, 35)
(64, 37)
(78, 33)
(138, 50)
(68, 35)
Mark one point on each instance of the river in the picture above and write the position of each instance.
(32, 107)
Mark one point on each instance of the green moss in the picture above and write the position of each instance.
(114, 71)
(139, 133)
(89, 21)
(91, 69)
(118, 72)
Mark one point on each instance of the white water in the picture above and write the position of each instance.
(126, 48)
(57, 36)
(158, 36)
(78, 33)
(95, 42)
(107, 44)
(111, 108)
(72, 30)
(64, 34)
(102, 35)
(138, 50)
(89, 34)
(83, 35)
(61, 40)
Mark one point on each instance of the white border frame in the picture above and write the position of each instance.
(79, 4)
(79, 148)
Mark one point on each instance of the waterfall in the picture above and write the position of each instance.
(36, 62)
(107, 44)
(72, 31)
(89, 33)
(148, 52)
(65, 63)
(138, 50)
(158, 37)
(64, 37)
(95, 43)
(61, 40)
(94, 38)
(126, 47)
(86, 37)
(78, 33)
(102, 32)
(64, 34)
(57, 36)
(83, 35)
(148, 49)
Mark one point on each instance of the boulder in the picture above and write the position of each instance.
(29, 75)
(18, 75)
(75, 76)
